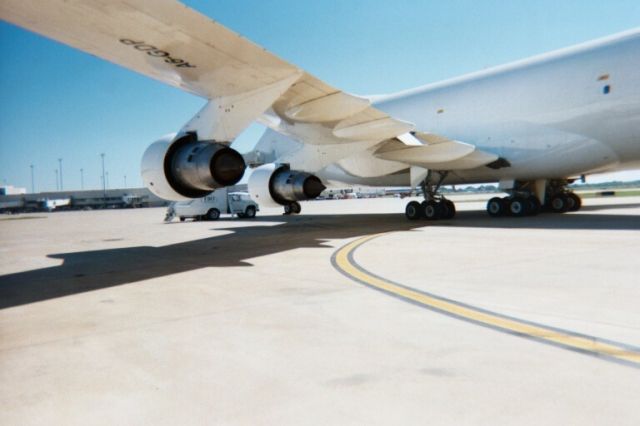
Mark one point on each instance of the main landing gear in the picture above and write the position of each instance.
(560, 199)
(514, 206)
(524, 199)
(434, 206)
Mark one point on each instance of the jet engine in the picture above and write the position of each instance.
(271, 185)
(183, 168)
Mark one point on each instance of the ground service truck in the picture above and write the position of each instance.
(213, 205)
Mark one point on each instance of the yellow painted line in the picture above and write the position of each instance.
(343, 261)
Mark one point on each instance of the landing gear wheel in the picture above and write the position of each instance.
(574, 202)
(296, 208)
(448, 209)
(250, 212)
(534, 205)
(292, 208)
(182, 218)
(518, 206)
(431, 210)
(496, 207)
(413, 211)
(213, 214)
(559, 203)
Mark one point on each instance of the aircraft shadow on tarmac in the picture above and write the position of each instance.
(98, 269)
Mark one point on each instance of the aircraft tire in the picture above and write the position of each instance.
(413, 211)
(575, 202)
(534, 205)
(559, 203)
(496, 207)
(518, 207)
(296, 208)
(448, 209)
(431, 210)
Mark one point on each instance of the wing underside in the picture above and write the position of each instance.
(243, 82)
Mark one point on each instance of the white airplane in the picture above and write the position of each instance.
(534, 125)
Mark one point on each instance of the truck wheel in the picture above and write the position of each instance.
(213, 214)
(250, 212)
(182, 218)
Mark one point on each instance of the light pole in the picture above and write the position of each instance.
(33, 186)
(60, 168)
(82, 179)
(57, 182)
(125, 181)
(104, 182)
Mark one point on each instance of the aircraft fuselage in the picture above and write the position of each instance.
(558, 115)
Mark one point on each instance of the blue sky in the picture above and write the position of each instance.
(61, 103)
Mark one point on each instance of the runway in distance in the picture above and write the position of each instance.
(533, 126)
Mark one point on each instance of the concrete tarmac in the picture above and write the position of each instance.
(113, 317)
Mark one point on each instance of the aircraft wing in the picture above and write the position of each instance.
(162, 39)
(168, 41)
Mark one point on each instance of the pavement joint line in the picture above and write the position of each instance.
(343, 260)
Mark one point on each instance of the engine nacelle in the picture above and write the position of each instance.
(185, 168)
(272, 185)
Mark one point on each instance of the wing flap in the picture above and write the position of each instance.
(430, 138)
(444, 155)
(471, 161)
(332, 107)
(380, 128)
